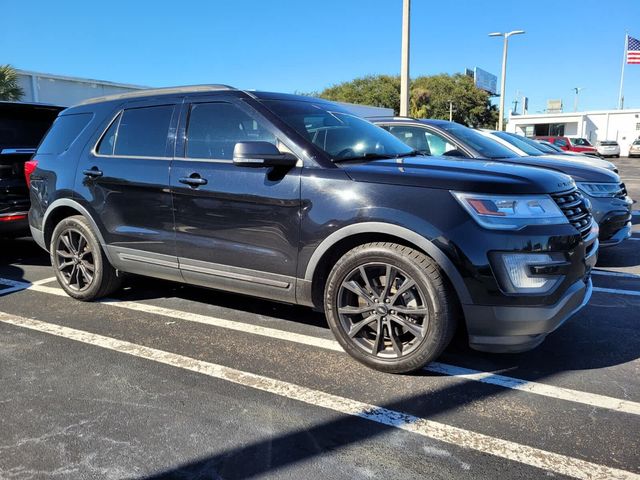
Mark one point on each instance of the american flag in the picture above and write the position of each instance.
(633, 50)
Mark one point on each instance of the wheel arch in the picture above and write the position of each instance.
(64, 208)
(343, 240)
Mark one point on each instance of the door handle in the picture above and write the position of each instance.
(195, 180)
(93, 172)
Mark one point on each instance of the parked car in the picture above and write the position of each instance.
(634, 149)
(608, 148)
(605, 191)
(525, 147)
(22, 126)
(292, 198)
(571, 144)
(557, 150)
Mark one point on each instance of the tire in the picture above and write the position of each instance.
(367, 325)
(74, 251)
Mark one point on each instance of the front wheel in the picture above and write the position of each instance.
(80, 265)
(389, 307)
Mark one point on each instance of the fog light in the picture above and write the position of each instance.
(516, 273)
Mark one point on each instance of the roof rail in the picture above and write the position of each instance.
(157, 91)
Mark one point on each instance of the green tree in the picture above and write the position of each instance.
(429, 97)
(375, 90)
(9, 88)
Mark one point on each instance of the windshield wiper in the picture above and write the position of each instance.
(366, 156)
(412, 153)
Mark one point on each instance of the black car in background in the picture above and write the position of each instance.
(22, 126)
(611, 206)
(294, 199)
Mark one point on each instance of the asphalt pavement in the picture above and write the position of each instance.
(170, 381)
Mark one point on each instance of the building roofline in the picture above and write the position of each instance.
(79, 79)
(157, 91)
(573, 114)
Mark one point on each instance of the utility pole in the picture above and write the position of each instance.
(404, 67)
(451, 111)
(577, 91)
(504, 70)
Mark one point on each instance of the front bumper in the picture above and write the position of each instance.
(500, 329)
(614, 218)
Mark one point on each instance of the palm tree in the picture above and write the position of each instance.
(9, 88)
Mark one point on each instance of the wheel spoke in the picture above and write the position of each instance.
(379, 338)
(82, 242)
(390, 277)
(406, 285)
(85, 252)
(66, 239)
(367, 283)
(358, 290)
(64, 254)
(349, 310)
(87, 265)
(358, 326)
(64, 265)
(74, 273)
(414, 329)
(86, 276)
(411, 311)
(395, 341)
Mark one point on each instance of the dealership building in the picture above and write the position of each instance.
(620, 125)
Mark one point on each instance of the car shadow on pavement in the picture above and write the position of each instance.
(23, 251)
(626, 254)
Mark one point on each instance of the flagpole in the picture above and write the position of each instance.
(624, 61)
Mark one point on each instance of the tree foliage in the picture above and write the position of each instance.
(429, 97)
(9, 88)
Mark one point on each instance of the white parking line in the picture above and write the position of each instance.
(612, 273)
(505, 449)
(633, 238)
(559, 393)
(633, 293)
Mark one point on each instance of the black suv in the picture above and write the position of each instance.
(22, 126)
(295, 199)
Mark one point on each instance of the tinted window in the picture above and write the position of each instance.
(583, 142)
(22, 126)
(108, 141)
(484, 146)
(339, 134)
(215, 128)
(520, 143)
(560, 142)
(143, 131)
(415, 137)
(63, 132)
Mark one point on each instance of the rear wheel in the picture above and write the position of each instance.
(80, 265)
(389, 307)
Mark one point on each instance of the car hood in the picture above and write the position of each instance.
(584, 160)
(454, 174)
(579, 170)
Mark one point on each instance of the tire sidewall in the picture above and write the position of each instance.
(430, 346)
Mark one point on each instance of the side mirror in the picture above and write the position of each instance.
(261, 154)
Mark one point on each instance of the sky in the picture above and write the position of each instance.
(305, 46)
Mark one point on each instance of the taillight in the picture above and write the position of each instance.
(29, 167)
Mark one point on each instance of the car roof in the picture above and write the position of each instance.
(424, 121)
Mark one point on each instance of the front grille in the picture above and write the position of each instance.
(575, 209)
(622, 192)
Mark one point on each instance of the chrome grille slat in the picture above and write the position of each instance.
(574, 208)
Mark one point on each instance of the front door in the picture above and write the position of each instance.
(237, 228)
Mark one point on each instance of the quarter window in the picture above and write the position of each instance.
(108, 141)
(63, 133)
(215, 128)
(142, 132)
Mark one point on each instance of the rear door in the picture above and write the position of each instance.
(125, 181)
(237, 228)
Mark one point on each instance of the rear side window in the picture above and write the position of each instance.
(64, 131)
(140, 132)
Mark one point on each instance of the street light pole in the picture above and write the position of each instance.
(575, 100)
(504, 70)
(404, 67)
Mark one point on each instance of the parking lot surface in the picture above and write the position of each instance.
(170, 381)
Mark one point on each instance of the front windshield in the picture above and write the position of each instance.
(583, 142)
(486, 147)
(530, 150)
(532, 143)
(551, 146)
(339, 134)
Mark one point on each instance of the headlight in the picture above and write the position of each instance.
(511, 212)
(599, 189)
